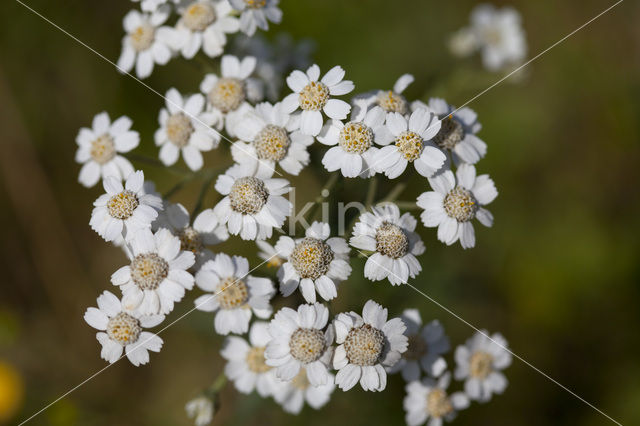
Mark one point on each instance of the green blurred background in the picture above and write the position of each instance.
(557, 275)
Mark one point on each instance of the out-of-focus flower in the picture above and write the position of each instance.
(270, 254)
(293, 394)
(428, 400)
(201, 410)
(388, 100)
(153, 5)
(257, 14)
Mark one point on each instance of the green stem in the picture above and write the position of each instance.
(407, 205)
(394, 193)
(371, 191)
(203, 192)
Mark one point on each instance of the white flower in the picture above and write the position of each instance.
(354, 154)
(246, 365)
(314, 263)
(256, 14)
(184, 127)
(299, 340)
(411, 144)
(124, 209)
(233, 293)
(367, 345)
(99, 146)
(201, 409)
(270, 136)
(479, 362)
(313, 96)
(253, 204)
(269, 253)
(388, 100)
(153, 5)
(204, 23)
(428, 400)
(123, 329)
(394, 242)
(293, 394)
(227, 95)
(147, 42)
(455, 202)
(426, 346)
(157, 276)
(458, 132)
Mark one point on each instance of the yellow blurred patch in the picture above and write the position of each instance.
(11, 391)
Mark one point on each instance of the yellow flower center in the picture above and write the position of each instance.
(480, 365)
(199, 16)
(148, 270)
(438, 403)
(255, 360)
(460, 204)
(364, 345)
(355, 138)
(232, 293)
(124, 329)
(311, 258)
(248, 195)
(179, 129)
(410, 145)
(142, 37)
(307, 344)
(314, 96)
(272, 143)
(227, 94)
(122, 205)
(392, 102)
(391, 240)
(103, 149)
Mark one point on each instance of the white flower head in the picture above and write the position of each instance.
(367, 345)
(479, 363)
(157, 276)
(312, 96)
(124, 210)
(201, 410)
(301, 339)
(269, 136)
(458, 132)
(389, 100)
(99, 146)
(204, 24)
(268, 253)
(293, 394)
(256, 14)
(153, 5)
(253, 204)
(233, 293)
(426, 346)
(455, 202)
(184, 128)
(428, 400)
(121, 329)
(411, 143)
(392, 239)
(147, 41)
(246, 365)
(314, 263)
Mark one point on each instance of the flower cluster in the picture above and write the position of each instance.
(300, 352)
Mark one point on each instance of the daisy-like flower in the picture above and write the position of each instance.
(293, 394)
(246, 365)
(204, 23)
(121, 329)
(426, 346)
(233, 293)
(271, 137)
(455, 202)
(458, 132)
(411, 143)
(157, 276)
(367, 345)
(124, 208)
(98, 149)
(314, 263)
(253, 204)
(313, 96)
(268, 253)
(147, 42)
(299, 340)
(201, 410)
(153, 5)
(392, 239)
(184, 127)
(479, 363)
(352, 149)
(256, 14)
(428, 400)
(388, 100)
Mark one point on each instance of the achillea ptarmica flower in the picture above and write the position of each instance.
(411, 143)
(147, 42)
(458, 132)
(184, 128)
(253, 204)
(270, 137)
(201, 410)
(353, 151)
(123, 329)
(153, 5)
(233, 293)
(388, 100)
(293, 394)
(246, 365)
(99, 146)
(367, 345)
(455, 202)
(157, 276)
(428, 400)
(204, 23)
(300, 341)
(313, 96)
(392, 239)
(256, 14)
(426, 346)
(269, 254)
(124, 208)
(479, 363)
(314, 263)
